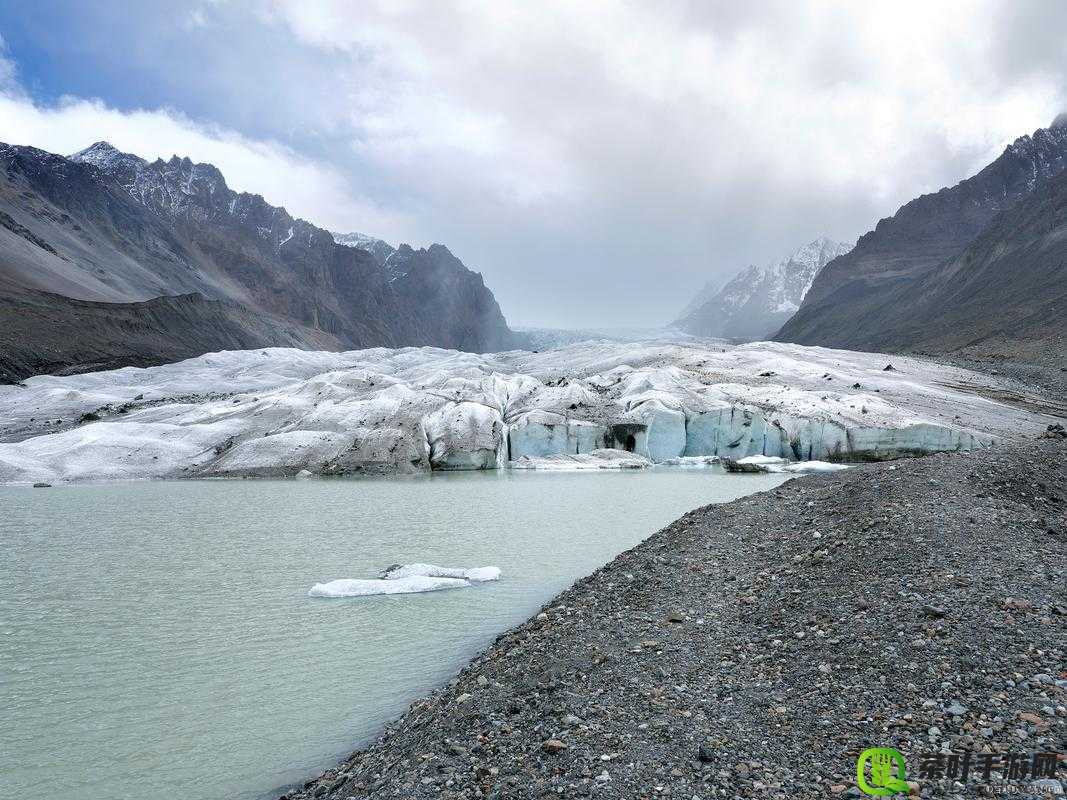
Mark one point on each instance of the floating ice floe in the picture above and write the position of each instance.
(692, 461)
(285, 412)
(350, 587)
(778, 464)
(402, 571)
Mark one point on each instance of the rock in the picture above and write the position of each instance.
(1055, 431)
(732, 465)
(553, 746)
(1015, 604)
(706, 752)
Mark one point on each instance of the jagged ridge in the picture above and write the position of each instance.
(755, 303)
(108, 226)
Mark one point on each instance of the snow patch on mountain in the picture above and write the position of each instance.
(381, 250)
(759, 299)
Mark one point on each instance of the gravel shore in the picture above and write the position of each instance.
(754, 649)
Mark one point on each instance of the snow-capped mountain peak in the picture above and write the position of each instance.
(759, 299)
(381, 250)
(104, 155)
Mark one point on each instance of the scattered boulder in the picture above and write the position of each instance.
(553, 746)
(706, 752)
(1055, 431)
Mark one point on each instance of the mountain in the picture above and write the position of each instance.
(706, 293)
(103, 227)
(856, 300)
(376, 247)
(1003, 297)
(758, 300)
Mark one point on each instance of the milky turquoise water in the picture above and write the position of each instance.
(156, 639)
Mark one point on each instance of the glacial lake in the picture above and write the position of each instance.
(157, 640)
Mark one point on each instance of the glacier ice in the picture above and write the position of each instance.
(476, 574)
(285, 412)
(597, 459)
(779, 464)
(359, 587)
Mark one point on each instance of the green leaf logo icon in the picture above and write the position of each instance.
(880, 772)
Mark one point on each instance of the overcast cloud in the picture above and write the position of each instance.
(596, 161)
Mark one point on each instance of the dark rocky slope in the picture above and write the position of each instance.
(109, 227)
(753, 649)
(42, 333)
(1004, 298)
(857, 300)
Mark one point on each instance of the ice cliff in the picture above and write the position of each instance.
(277, 412)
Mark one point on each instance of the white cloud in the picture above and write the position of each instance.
(672, 136)
(305, 187)
(7, 69)
(576, 152)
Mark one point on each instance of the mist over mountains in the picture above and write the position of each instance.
(758, 300)
(975, 271)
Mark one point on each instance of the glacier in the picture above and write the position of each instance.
(283, 412)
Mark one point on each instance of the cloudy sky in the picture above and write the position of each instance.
(596, 161)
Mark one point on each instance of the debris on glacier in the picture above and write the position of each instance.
(597, 459)
(476, 574)
(777, 464)
(283, 412)
(356, 587)
(692, 461)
